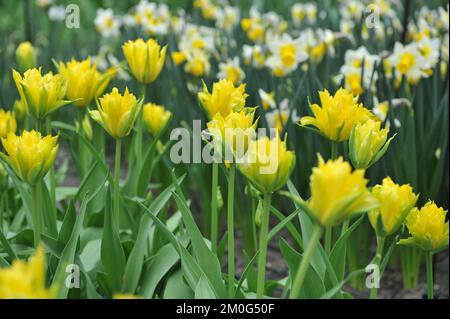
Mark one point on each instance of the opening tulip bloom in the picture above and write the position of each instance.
(43, 94)
(396, 201)
(145, 58)
(117, 113)
(155, 117)
(367, 143)
(233, 131)
(337, 193)
(224, 99)
(268, 164)
(84, 81)
(428, 228)
(31, 155)
(337, 115)
(8, 123)
(26, 279)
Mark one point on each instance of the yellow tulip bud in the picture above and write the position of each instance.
(368, 144)
(337, 193)
(224, 99)
(268, 163)
(146, 59)
(31, 155)
(178, 57)
(26, 279)
(86, 126)
(396, 201)
(234, 130)
(337, 116)
(117, 113)
(43, 94)
(8, 123)
(20, 109)
(428, 228)
(155, 117)
(25, 56)
(84, 81)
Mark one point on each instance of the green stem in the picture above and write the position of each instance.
(328, 237)
(230, 225)
(263, 234)
(36, 214)
(214, 215)
(334, 149)
(139, 133)
(117, 183)
(307, 255)
(429, 265)
(48, 127)
(377, 262)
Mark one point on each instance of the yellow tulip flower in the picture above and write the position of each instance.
(8, 123)
(26, 280)
(337, 116)
(268, 163)
(84, 81)
(25, 56)
(117, 113)
(155, 117)
(31, 155)
(396, 201)
(234, 130)
(145, 58)
(224, 99)
(43, 94)
(367, 143)
(428, 228)
(337, 193)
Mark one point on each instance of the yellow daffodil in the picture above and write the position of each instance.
(84, 82)
(145, 58)
(368, 143)
(31, 155)
(224, 99)
(8, 123)
(234, 130)
(268, 163)
(43, 94)
(396, 201)
(178, 57)
(155, 117)
(26, 280)
(428, 228)
(337, 116)
(337, 193)
(25, 56)
(117, 113)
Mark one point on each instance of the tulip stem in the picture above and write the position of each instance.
(139, 133)
(377, 262)
(117, 183)
(263, 234)
(307, 255)
(429, 265)
(230, 225)
(214, 216)
(328, 239)
(48, 127)
(36, 214)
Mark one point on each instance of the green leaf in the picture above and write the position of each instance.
(112, 254)
(204, 289)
